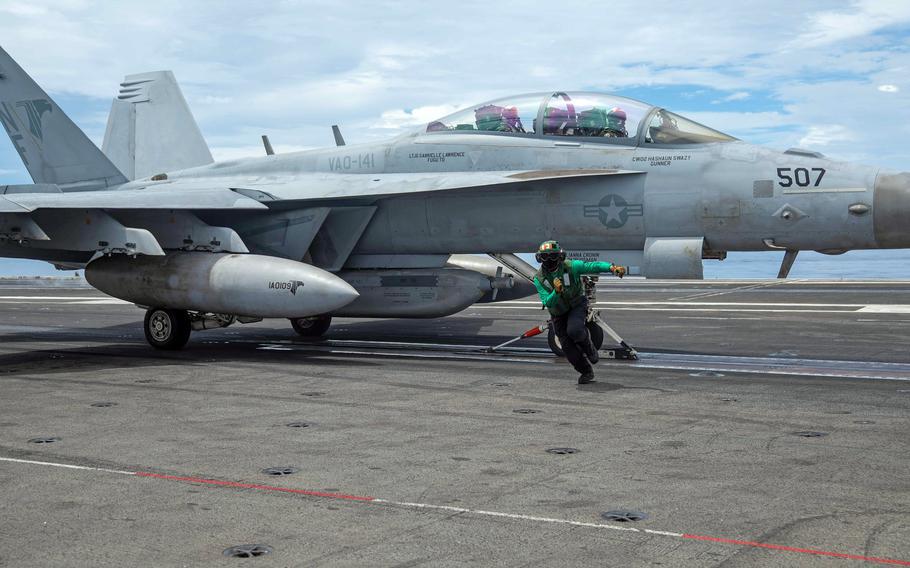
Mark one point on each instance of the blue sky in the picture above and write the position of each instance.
(829, 76)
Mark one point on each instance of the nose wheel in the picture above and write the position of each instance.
(167, 329)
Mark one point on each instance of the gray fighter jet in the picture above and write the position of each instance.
(375, 230)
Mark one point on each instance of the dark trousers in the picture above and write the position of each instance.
(573, 335)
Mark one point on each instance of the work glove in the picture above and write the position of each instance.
(618, 270)
(557, 285)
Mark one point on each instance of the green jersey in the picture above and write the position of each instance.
(570, 272)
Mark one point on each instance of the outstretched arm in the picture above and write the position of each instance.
(581, 267)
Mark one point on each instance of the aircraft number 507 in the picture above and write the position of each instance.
(799, 176)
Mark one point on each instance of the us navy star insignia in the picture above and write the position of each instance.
(613, 211)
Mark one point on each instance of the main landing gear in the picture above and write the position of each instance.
(170, 329)
(167, 329)
(311, 327)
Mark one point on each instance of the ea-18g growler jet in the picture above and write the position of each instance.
(374, 230)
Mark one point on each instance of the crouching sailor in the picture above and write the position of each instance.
(562, 292)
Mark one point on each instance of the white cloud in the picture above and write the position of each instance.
(236, 152)
(737, 96)
(888, 88)
(210, 100)
(378, 68)
(400, 118)
(865, 17)
(741, 123)
(825, 135)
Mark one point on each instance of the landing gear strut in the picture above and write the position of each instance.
(311, 327)
(167, 329)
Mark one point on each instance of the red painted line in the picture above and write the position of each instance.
(255, 486)
(800, 550)
(777, 547)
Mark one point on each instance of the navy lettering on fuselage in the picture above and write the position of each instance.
(352, 162)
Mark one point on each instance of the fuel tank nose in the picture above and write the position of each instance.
(222, 283)
(334, 293)
(891, 210)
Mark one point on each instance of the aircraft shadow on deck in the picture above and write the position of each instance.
(46, 361)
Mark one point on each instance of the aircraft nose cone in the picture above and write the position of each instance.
(891, 210)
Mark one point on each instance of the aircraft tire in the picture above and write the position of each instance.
(311, 327)
(166, 329)
(597, 337)
(553, 342)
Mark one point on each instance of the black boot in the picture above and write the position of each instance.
(592, 354)
(586, 378)
(589, 349)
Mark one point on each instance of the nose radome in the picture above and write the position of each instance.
(891, 210)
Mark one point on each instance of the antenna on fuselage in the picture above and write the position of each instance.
(339, 139)
(268, 146)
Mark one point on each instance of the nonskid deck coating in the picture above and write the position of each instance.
(710, 454)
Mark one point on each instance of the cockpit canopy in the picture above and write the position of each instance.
(596, 117)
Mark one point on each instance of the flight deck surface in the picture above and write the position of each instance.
(766, 423)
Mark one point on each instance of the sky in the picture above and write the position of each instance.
(827, 76)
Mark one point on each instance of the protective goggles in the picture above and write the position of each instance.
(549, 256)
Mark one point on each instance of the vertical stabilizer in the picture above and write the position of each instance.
(151, 130)
(53, 149)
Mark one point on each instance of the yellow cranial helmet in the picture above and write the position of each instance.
(549, 246)
(549, 253)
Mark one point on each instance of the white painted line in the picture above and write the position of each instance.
(765, 284)
(68, 303)
(650, 309)
(797, 372)
(758, 307)
(518, 517)
(636, 282)
(67, 466)
(405, 355)
(742, 365)
(719, 318)
(886, 309)
(35, 297)
(661, 533)
(670, 303)
(480, 512)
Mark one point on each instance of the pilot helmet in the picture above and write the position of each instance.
(549, 255)
(616, 119)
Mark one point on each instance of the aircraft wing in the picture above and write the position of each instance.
(237, 194)
(282, 217)
(160, 197)
(7, 206)
(48, 224)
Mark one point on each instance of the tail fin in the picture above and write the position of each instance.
(53, 149)
(151, 130)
